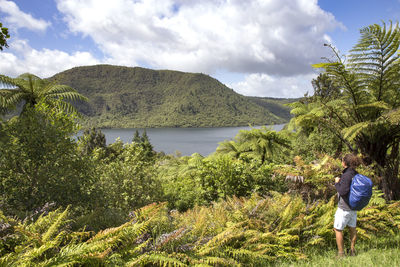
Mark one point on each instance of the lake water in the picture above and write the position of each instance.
(184, 140)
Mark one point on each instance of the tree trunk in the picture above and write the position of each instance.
(390, 185)
(388, 164)
(390, 175)
(339, 150)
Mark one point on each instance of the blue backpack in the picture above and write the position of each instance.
(360, 192)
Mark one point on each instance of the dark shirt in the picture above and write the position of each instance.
(343, 188)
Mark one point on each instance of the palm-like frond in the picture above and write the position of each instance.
(365, 115)
(64, 106)
(31, 89)
(352, 132)
(7, 82)
(377, 105)
(376, 58)
(64, 92)
(229, 147)
(10, 98)
(392, 116)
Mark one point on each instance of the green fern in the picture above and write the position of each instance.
(254, 231)
(157, 259)
(352, 132)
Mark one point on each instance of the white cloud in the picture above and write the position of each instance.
(259, 84)
(272, 42)
(43, 63)
(281, 37)
(19, 19)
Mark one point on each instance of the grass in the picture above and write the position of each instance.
(372, 257)
(377, 252)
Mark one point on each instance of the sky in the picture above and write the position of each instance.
(256, 47)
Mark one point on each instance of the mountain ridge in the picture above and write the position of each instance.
(125, 97)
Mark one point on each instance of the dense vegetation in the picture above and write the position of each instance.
(261, 199)
(122, 97)
(360, 103)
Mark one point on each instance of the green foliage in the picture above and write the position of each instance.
(181, 188)
(317, 143)
(39, 162)
(124, 97)
(312, 180)
(263, 145)
(197, 180)
(49, 242)
(90, 140)
(255, 231)
(144, 143)
(277, 106)
(3, 36)
(366, 97)
(31, 89)
(125, 181)
(324, 88)
(35, 242)
(263, 198)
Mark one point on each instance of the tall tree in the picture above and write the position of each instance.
(136, 137)
(91, 139)
(40, 163)
(29, 89)
(366, 114)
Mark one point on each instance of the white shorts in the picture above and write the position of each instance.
(345, 217)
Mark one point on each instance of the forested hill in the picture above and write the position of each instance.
(137, 97)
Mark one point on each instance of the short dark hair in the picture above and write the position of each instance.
(351, 160)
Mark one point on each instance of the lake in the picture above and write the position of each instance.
(184, 140)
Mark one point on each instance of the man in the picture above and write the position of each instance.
(344, 215)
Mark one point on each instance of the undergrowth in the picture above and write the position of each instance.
(255, 231)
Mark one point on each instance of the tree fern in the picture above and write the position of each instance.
(352, 132)
(369, 84)
(262, 143)
(32, 89)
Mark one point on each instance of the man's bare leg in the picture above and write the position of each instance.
(353, 238)
(339, 241)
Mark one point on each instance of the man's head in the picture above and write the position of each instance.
(351, 160)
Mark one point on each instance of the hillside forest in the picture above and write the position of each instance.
(126, 97)
(265, 198)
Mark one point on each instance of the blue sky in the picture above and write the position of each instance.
(256, 47)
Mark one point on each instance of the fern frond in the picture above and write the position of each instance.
(65, 92)
(65, 106)
(56, 225)
(326, 65)
(215, 261)
(156, 258)
(352, 132)
(248, 256)
(7, 82)
(392, 116)
(378, 105)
